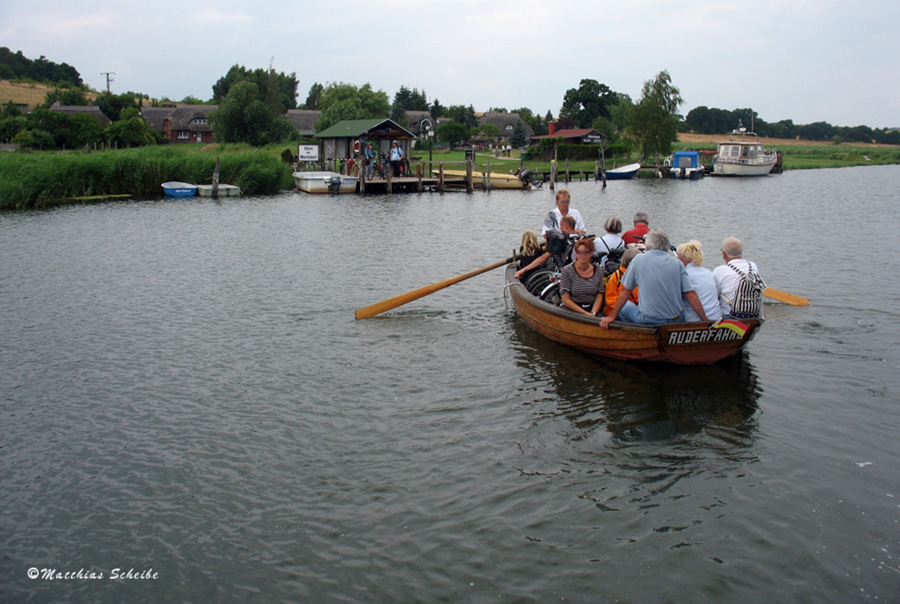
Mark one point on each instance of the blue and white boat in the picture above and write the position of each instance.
(623, 173)
(179, 189)
(685, 164)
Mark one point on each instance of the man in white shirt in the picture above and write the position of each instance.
(552, 220)
(727, 277)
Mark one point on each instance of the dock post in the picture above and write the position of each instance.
(603, 166)
(441, 177)
(389, 172)
(469, 187)
(553, 175)
(215, 180)
(487, 174)
(568, 175)
(419, 174)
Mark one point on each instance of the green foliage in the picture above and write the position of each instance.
(314, 96)
(242, 117)
(17, 66)
(485, 131)
(277, 90)
(437, 110)
(518, 138)
(130, 131)
(66, 96)
(453, 133)
(33, 180)
(347, 102)
(463, 115)
(112, 105)
(654, 121)
(586, 103)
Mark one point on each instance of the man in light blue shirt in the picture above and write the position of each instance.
(662, 280)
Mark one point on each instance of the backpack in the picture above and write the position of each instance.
(747, 303)
(612, 260)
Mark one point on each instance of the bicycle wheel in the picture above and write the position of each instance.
(539, 279)
(551, 294)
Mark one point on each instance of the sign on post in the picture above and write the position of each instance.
(308, 153)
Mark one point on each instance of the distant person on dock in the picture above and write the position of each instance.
(581, 283)
(662, 279)
(396, 158)
(738, 283)
(371, 154)
(554, 216)
(691, 256)
(641, 228)
(564, 255)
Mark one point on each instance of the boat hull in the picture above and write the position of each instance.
(680, 343)
(224, 190)
(729, 168)
(320, 182)
(623, 173)
(179, 189)
(498, 179)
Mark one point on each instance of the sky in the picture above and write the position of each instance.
(804, 60)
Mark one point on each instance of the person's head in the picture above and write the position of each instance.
(369, 146)
(562, 201)
(732, 247)
(629, 255)
(613, 225)
(584, 249)
(567, 224)
(690, 252)
(641, 217)
(394, 144)
(530, 243)
(656, 239)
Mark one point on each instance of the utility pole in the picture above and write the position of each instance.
(108, 78)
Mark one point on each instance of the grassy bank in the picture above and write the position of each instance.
(41, 179)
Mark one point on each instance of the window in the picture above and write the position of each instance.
(184, 135)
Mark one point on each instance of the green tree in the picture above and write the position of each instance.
(437, 110)
(112, 105)
(654, 120)
(587, 102)
(453, 133)
(314, 96)
(85, 130)
(342, 101)
(131, 130)
(486, 131)
(277, 90)
(242, 117)
(518, 137)
(66, 96)
(462, 114)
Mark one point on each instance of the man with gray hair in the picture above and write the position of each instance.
(641, 228)
(738, 282)
(662, 280)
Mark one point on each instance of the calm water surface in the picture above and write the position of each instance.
(185, 392)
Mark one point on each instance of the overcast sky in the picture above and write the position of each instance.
(805, 60)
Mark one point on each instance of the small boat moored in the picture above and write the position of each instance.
(179, 189)
(699, 343)
(224, 190)
(325, 182)
(623, 173)
(686, 164)
(492, 180)
(743, 156)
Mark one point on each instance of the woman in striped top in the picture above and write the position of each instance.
(581, 283)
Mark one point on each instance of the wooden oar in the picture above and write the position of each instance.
(386, 305)
(785, 297)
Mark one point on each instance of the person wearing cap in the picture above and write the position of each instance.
(641, 228)
(554, 216)
(396, 158)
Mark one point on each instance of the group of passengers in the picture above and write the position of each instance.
(673, 288)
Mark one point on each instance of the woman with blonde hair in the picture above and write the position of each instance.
(691, 255)
(529, 251)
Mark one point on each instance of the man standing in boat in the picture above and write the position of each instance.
(662, 279)
(554, 216)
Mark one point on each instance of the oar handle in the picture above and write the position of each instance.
(390, 303)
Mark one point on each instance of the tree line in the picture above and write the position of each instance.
(16, 66)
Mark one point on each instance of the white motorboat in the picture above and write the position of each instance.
(325, 182)
(743, 155)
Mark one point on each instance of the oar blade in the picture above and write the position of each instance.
(785, 297)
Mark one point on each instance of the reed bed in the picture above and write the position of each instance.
(35, 180)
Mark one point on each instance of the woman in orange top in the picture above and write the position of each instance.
(613, 284)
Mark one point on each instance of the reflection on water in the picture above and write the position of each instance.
(642, 402)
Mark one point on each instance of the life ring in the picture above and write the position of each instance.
(356, 146)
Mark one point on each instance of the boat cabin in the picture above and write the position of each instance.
(686, 159)
(737, 150)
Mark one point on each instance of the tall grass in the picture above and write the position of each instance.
(40, 179)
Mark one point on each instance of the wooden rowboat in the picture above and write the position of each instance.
(698, 343)
(498, 180)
